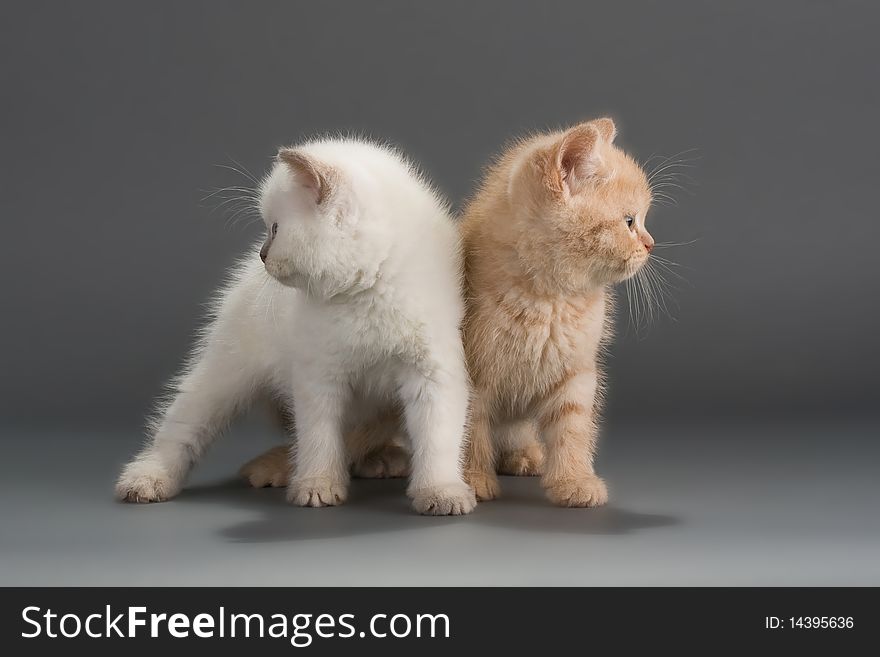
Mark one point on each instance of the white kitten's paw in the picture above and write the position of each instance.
(388, 463)
(585, 491)
(146, 481)
(485, 485)
(449, 500)
(272, 468)
(317, 492)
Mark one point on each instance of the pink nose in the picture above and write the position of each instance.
(648, 241)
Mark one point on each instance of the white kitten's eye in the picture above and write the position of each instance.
(274, 229)
(630, 221)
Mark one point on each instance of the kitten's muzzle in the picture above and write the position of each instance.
(264, 250)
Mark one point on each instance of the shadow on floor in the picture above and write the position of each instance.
(381, 506)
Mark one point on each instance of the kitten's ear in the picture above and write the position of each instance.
(577, 154)
(606, 128)
(309, 172)
(576, 158)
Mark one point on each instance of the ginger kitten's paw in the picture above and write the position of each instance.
(145, 481)
(587, 491)
(317, 492)
(388, 463)
(485, 485)
(450, 500)
(272, 468)
(525, 462)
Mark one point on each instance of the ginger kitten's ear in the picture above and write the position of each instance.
(577, 154)
(311, 174)
(606, 128)
(575, 158)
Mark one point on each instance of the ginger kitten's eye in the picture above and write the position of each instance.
(630, 221)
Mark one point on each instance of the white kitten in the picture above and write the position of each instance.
(359, 311)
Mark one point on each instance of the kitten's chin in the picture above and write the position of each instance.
(315, 287)
(631, 267)
(295, 281)
(287, 278)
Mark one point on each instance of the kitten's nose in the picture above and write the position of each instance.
(264, 250)
(648, 241)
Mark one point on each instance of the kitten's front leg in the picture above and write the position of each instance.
(208, 396)
(568, 423)
(435, 410)
(479, 460)
(319, 475)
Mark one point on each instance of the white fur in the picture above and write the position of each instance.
(361, 311)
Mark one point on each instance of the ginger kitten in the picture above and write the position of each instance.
(558, 220)
(337, 323)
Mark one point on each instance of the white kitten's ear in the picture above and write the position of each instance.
(315, 176)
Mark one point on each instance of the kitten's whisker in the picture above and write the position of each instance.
(229, 200)
(665, 163)
(680, 154)
(649, 293)
(652, 292)
(629, 304)
(670, 184)
(669, 265)
(636, 309)
(642, 298)
(244, 190)
(678, 176)
(656, 296)
(668, 286)
(661, 161)
(249, 176)
(270, 299)
(234, 212)
(241, 215)
(662, 187)
(667, 262)
(672, 163)
(664, 245)
(663, 198)
(662, 288)
(242, 202)
(258, 298)
(659, 193)
(666, 268)
(248, 220)
(244, 170)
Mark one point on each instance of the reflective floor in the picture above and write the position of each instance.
(765, 504)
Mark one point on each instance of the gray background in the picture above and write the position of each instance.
(751, 407)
